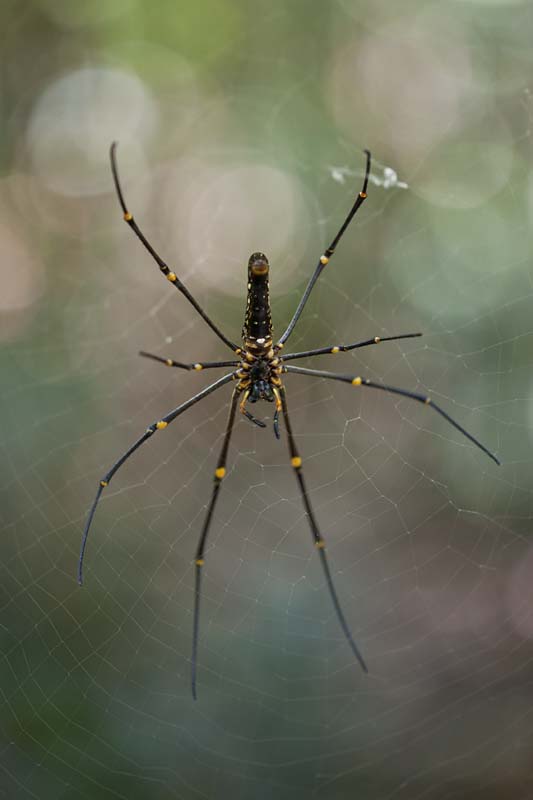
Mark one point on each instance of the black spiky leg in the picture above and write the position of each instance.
(169, 274)
(344, 348)
(149, 432)
(324, 259)
(220, 472)
(357, 380)
(320, 545)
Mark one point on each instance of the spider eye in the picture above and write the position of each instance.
(258, 264)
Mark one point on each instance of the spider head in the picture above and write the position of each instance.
(258, 266)
(261, 390)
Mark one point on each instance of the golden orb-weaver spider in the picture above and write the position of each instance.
(257, 375)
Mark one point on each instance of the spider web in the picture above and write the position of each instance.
(428, 540)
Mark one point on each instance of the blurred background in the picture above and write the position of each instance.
(241, 127)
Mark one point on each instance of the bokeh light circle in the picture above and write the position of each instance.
(75, 120)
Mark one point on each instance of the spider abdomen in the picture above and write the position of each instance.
(257, 320)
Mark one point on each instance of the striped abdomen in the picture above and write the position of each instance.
(257, 320)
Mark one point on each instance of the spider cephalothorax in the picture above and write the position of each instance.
(259, 380)
(258, 377)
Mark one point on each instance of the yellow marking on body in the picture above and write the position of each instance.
(377, 339)
(127, 216)
(169, 362)
(362, 195)
(320, 544)
(198, 366)
(280, 345)
(220, 472)
(161, 424)
(103, 484)
(335, 349)
(427, 401)
(172, 277)
(199, 562)
(296, 462)
(324, 259)
(357, 381)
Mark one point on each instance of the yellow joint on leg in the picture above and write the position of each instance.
(161, 424)
(242, 404)
(198, 366)
(362, 195)
(171, 276)
(377, 339)
(335, 349)
(279, 404)
(427, 401)
(296, 462)
(357, 381)
(127, 216)
(324, 260)
(320, 544)
(199, 562)
(103, 484)
(220, 472)
(169, 362)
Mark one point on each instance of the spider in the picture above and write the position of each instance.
(257, 375)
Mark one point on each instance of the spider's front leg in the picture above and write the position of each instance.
(220, 473)
(149, 432)
(319, 542)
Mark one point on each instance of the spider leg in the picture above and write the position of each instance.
(247, 414)
(276, 423)
(258, 422)
(167, 272)
(220, 472)
(296, 462)
(343, 348)
(169, 362)
(155, 426)
(323, 260)
(420, 398)
(279, 407)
